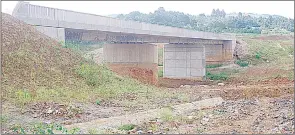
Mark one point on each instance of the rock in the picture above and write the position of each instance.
(205, 119)
(150, 132)
(190, 117)
(203, 85)
(220, 84)
(159, 121)
(35, 115)
(185, 86)
(49, 111)
(139, 132)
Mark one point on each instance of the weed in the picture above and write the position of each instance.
(213, 65)
(257, 55)
(167, 115)
(43, 128)
(219, 76)
(160, 72)
(4, 119)
(199, 130)
(127, 127)
(186, 120)
(92, 131)
(242, 63)
(73, 46)
(97, 102)
(160, 56)
(153, 127)
(291, 76)
(23, 97)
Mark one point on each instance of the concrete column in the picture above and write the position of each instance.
(228, 50)
(55, 33)
(184, 61)
(139, 61)
(214, 53)
(220, 53)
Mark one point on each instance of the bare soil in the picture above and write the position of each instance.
(146, 73)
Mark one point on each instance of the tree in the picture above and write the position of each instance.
(216, 22)
(202, 15)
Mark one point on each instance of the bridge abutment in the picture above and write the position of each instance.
(139, 61)
(220, 53)
(55, 33)
(184, 61)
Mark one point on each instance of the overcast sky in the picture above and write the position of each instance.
(284, 8)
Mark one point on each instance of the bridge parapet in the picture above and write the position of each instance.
(59, 18)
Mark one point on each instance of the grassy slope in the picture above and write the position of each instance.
(37, 68)
(274, 57)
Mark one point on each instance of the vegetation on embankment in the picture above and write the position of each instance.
(36, 68)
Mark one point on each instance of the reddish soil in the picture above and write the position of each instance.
(263, 71)
(176, 83)
(146, 73)
(254, 91)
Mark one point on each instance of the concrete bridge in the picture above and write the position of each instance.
(130, 49)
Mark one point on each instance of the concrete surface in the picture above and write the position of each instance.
(59, 18)
(55, 33)
(130, 53)
(184, 61)
(139, 61)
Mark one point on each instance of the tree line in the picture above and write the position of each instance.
(218, 21)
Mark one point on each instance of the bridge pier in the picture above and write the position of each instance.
(228, 49)
(184, 61)
(139, 61)
(220, 53)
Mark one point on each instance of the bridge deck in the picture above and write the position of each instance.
(59, 18)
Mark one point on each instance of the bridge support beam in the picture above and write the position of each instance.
(184, 61)
(55, 33)
(228, 50)
(139, 61)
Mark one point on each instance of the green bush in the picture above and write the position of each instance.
(23, 97)
(160, 72)
(257, 55)
(93, 74)
(219, 76)
(42, 128)
(242, 63)
(127, 127)
(213, 65)
(73, 46)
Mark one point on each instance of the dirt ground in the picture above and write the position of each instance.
(264, 108)
(146, 73)
(258, 116)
